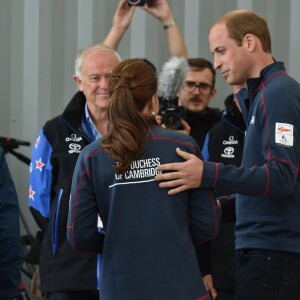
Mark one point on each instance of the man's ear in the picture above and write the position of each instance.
(78, 82)
(250, 41)
(213, 93)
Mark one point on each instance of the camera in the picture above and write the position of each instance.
(170, 81)
(139, 2)
(170, 112)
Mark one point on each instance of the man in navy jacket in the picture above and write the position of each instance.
(268, 182)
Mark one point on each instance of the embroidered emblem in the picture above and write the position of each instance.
(74, 138)
(31, 193)
(231, 141)
(74, 148)
(37, 142)
(284, 134)
(228, 152)
(39, 164)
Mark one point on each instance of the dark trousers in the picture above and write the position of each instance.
(267, 275)
(74, 295)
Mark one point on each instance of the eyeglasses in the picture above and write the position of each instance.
(190, 86)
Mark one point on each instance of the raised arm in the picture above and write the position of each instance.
(162, 11)
(121, 21)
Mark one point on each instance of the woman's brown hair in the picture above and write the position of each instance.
(132, 85)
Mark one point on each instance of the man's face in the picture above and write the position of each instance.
(231, 59)
(93, 81)
(197, 99)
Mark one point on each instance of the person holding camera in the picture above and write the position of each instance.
(160, 10)
(148, 245)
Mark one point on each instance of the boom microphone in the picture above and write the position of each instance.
(172, 77)
(170, 82)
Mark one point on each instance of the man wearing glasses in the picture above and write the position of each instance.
(195, 95)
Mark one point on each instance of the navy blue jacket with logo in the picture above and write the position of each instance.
(54, 156)
(223, 143)
(148, 249)
(268, 181)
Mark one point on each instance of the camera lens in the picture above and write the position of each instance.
(172, 119)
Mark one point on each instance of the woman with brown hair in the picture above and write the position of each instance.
(147, 244)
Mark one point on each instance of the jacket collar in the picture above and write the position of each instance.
(75, 108)
(73, 114)
(266, 74)
(244, 101)
(246, 96)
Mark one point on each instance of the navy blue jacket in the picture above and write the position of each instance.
(201, 122)
(148, 249)
(54, 156)
(223, 143)
(11, 252)
(268, 181)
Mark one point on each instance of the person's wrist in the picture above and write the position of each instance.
(166, 17)
(120, 27)
(169, 24)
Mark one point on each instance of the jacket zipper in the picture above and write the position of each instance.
(55, 224)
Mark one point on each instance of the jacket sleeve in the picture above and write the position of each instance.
(203, 253)
(203, 250)
(276, 174)
(82, 231)
(204, 213)
(11, 252)
(40, 181)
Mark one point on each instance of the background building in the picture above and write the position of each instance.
(40, 40)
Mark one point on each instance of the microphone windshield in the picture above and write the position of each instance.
(172, 77)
